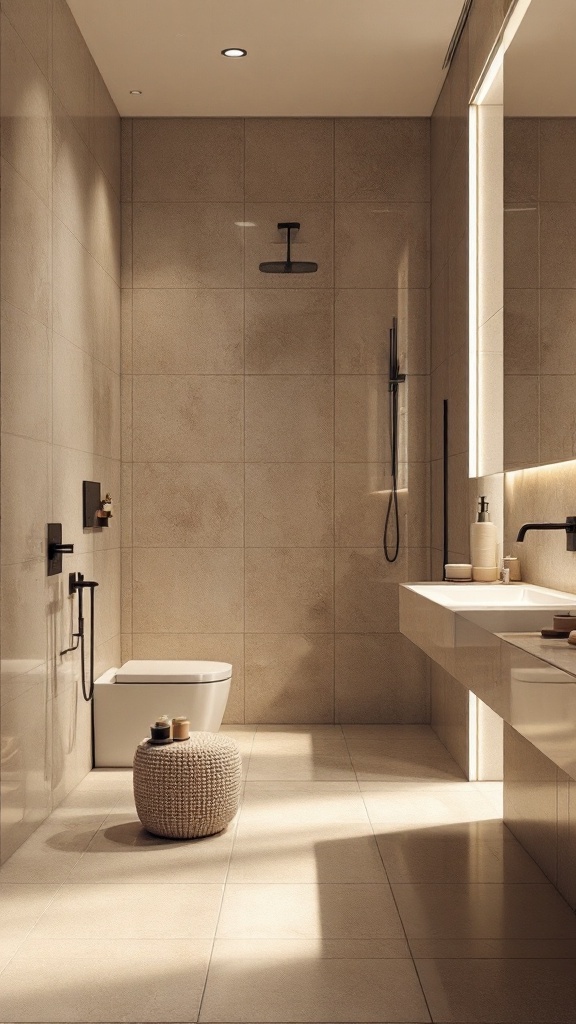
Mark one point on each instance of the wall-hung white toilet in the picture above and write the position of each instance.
(128, 699)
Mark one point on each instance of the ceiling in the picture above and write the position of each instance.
(315, 58)
(540, 64)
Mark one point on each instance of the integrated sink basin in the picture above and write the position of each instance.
(493, 595)
(516, 608)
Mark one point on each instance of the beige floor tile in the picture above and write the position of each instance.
(484, 911)
(293, 911)
(130, 980)
(306, 753)
(244, 737)
(503, 991)
(306, 986)
(113, 911)
(226, 950)
(319, 766)
(51, 852)
(493, 792)
(439, 855)
(107, 778)
(424, 806)
(22, 906)
(123, 851)
(399, 751)
(306, 853)
(499, 949)
(268, 803)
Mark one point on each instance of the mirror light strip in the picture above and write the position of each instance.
(473, 291)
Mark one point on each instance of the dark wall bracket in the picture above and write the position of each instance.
(94, 513)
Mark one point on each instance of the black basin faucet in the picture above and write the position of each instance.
(569, 526)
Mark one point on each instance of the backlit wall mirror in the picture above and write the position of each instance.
(539, 196)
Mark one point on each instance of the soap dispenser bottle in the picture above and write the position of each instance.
(484, 546)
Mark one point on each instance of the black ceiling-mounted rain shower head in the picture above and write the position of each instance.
(288, 266)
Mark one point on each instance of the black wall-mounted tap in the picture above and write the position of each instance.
(569, 526)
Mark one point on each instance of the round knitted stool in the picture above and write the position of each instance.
(189, 788)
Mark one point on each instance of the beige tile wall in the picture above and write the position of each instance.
(60, 149)
(255, 422)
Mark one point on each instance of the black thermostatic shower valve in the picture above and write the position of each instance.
(55, 548)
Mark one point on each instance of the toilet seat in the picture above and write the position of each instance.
(173, 672)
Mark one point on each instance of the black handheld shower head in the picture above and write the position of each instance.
(288, 266)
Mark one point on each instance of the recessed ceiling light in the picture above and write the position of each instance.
(234, 51)
(135, 92)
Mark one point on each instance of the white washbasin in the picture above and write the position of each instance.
(478, 596)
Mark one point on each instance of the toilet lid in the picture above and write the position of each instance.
(173, 672)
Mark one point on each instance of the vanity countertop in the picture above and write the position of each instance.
(558, 653)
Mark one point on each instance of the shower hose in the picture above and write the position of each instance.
(392, 520)
(79, 584)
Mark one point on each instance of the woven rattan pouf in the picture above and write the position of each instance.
(187, 789)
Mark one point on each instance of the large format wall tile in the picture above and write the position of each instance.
(395, 159)
(361, 496)
(557, 327)
(26, 726)
(73, 391)
(363, 318)
(188, 590)
(380, 678)
(365, 599)
(289, 678)
(26, 372)
(74, 177)
(289, 504)
(557, 156)
(33, 24)
(106, 134)
(86, 301)
(60, 364)
(556, 249)
(182, 159)
(25, 247)
(25, 648)
(382, 245)
(289, 159)
(73, 69)
(26, 126)
(362, 418)
(191, 330)
(289, 418)
(289, 590)
(26, 498)
(187, 419)
(289, 331)
(106, 391)
(195, 505)
(187, 245)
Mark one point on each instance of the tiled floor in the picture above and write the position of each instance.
(363, 880)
